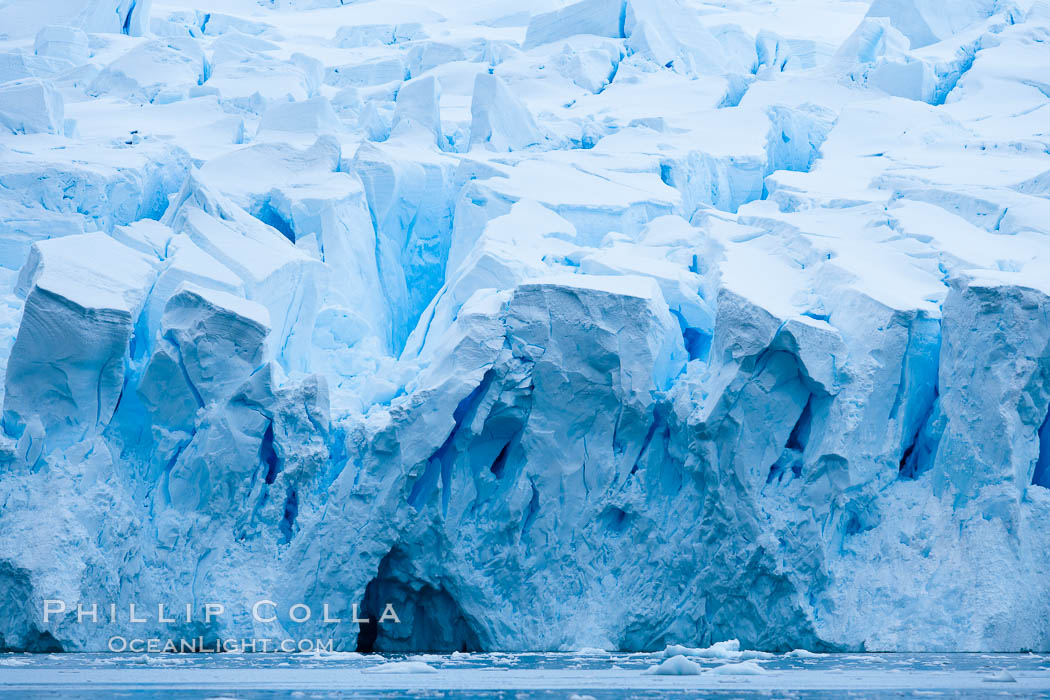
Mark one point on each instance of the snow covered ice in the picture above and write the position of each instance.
(644, 325)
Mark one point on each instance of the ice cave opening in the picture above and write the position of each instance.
(15, 587)
(428, 618)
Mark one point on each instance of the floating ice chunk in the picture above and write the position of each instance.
(313, 116)
(1001, 676)
(499, 120)
(719, 650)
(401, 667)
(675, 666)
(67, 364)
(729, 650)
(318, 653)
(425, 657)
(744, 668)
(926, 22)
(600, 17)
(14, 662)
(31, 106)
(803, 654)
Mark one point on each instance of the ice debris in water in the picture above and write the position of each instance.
(402, 667)
(729, 650)
(1001, 676)
(743, 668)
(675, 666)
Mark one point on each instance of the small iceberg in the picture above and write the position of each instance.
(744, 668)
(728, 650)
(675, 666)
(334, 655)
(402, 667)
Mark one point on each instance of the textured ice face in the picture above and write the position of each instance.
(591, 324)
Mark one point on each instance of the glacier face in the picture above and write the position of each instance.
(592, 324)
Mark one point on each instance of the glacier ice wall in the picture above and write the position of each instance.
(592, 324)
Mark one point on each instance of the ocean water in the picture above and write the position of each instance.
(603, 676)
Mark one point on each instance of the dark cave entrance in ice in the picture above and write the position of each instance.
(430, 619)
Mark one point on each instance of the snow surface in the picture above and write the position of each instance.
(596, 324)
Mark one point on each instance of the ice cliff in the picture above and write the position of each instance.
(581, 324)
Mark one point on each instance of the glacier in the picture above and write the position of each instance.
(610, 324)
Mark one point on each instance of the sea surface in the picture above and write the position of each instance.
(516, 676)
